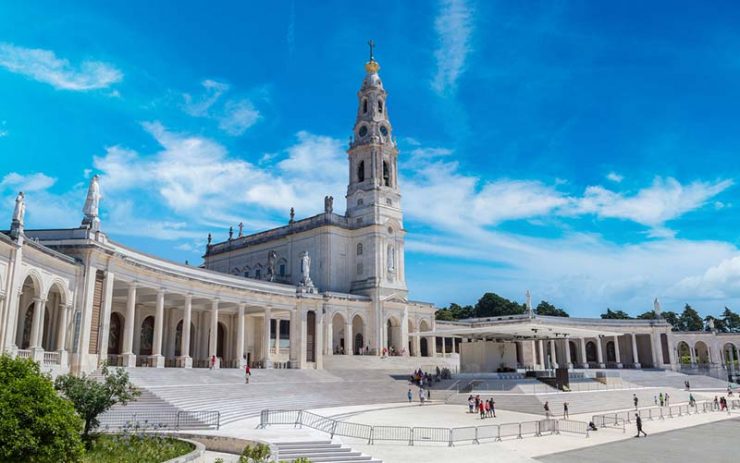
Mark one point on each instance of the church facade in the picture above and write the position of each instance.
(318, 291)
(325, 285)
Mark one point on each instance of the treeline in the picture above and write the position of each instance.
(493, 305)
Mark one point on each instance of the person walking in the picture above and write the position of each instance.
(660, 398)
(638, 422)
(421, 396)
(482, 409)
(493, 407)
(213, 362)
(247, 373)
(666, 400)
(410, 395)
(547, 409)
(565, 411)
(692, 401)
(429, 394)
(635, 400)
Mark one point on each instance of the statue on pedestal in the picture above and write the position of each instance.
(20, 209)
(92, 202)
(656, 308)
(306, 285)
(529, 304)
(328, 204)
(271, 258)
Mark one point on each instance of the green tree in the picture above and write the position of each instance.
(690, 320)
(260, 453)
(731, 320)
(649, 315)
(444, 314)
(493, 305)
(672, 318)
(545, 308)
(36, 424)
(615, 315)
(91, 398)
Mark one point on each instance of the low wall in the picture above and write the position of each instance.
(405, 364)
(221, 444)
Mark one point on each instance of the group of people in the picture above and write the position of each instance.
(420, 377)
(548, 412)
(486, 408)
(424, 395)
(720, 403)
(661, 399)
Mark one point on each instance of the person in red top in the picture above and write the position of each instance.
(247, 372)
(213, 361)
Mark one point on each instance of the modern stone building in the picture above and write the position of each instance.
(327, 287)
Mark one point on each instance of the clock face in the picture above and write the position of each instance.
(384, 130)
(363, 131)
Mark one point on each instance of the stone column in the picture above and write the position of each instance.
(295, 339)
(266, 357)
(599, 353)
(105, 315)
(584, 357)
(554, 350)
(62, 333)
(655, 353)
(405, 333)
(129, 359)
(186, 361)
(158, 331)
(617, 355)
(568, 360)
(635, 354)
(417, 346)
(349, 344)
(277, 337)
(213, 342)
(444, 346)
(658, 351)
(319, 341)
(37, 327)
(541, 347)
(533, 348)
(240, 337)
(432, 346)
(329, 337)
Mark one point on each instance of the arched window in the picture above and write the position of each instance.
(282, 270)
(391, 258)
(360, 202)
(361, 172)
(380, 106)
(386, 174)
(359, 249)
(364, 106)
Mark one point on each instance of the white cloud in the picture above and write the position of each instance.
(234, 116)
(718, 282)
(614, 177)
(664, 200)
(237, 117)
(45, 66)
(453, 26)
(26, 183)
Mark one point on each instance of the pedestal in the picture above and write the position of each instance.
(242, 363)
(267, 364)
(619, 365)
(157, 361)
(128, 360)
(585, 366)
(185, 362)
(64, 359)
(636, 365)
(602, 365)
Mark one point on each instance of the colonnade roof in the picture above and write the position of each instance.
(521, 327)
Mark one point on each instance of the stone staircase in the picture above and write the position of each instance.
(225, 390)
(319, 452)
(660, 378)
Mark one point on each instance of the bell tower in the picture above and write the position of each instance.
(372, 194)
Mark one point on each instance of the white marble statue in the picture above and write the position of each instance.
(529, 303)
(92, 202)
(20, 209)
(656, 307)
(305, 268)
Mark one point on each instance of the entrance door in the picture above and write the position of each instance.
(311, 336)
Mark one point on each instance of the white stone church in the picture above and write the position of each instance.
(304, 295)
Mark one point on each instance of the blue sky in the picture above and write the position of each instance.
(586, 151)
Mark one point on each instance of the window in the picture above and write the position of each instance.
(386, 174)
(360, 202)
(391, 258)
(282, 270)
(258, 274)
(359, 249)
(361, 172)
(380, 106)
(364, 106)
(389, 201)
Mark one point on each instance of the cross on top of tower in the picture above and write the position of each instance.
(372, 66)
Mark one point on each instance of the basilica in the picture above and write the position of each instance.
(320, 291)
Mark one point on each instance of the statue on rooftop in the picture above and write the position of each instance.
(20, 209)
(306, 269)
(271, 258)
(241, 229)
(529, 303)
(328, 204)
(292, 215)
(92, 203)
(656, 308)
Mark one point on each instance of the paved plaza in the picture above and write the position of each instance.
(713, 442)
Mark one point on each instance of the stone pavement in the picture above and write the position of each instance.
(708, 443)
